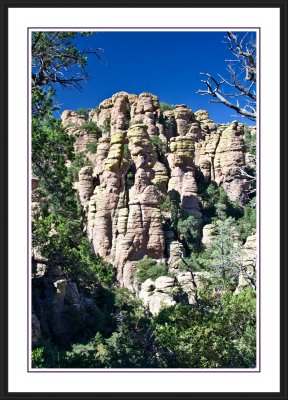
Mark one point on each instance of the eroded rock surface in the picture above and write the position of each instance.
(121, 189)
(166, 291)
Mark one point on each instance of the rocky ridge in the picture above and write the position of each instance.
(124, 221)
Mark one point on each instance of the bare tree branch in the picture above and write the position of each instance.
(242, 71)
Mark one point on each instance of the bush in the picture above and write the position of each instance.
(83, 112)
(106, 127)
(92, 129)
(216, 202)
(250, 141)
(189, 232)
(127, 153)
(130, 179)
(148, 268)
(69, 248)
(247, 224)
(38, 358)
(165, 203)
(219, 332)
(166, 107)
(158, 145)
(92, 147)
(79, 162)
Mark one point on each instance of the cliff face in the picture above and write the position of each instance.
(143, 154)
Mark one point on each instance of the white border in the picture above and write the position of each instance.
(19, 379)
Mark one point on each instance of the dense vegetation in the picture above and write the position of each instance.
(115, 330)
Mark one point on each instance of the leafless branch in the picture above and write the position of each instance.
(242, 71)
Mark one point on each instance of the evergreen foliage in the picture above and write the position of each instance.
(166, 107)
(148, 268)
(78, 162)
(116, 330)
(189, 232)
(106, 126)
(61, 241)
(83, 112)
(250, 141)
(51, 148)
(218, 332)
(92, 147)
(158, 145)
(91, 128)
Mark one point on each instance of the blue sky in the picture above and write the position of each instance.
(167, 64)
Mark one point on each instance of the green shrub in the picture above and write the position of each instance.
(166, 107)
(83, 112)
(92, 147)
(165, 203)
(130, 179)
(158, 145)
(37, 356)
(148, 268)
(216, 202)
(219, 332)
(92, 129)
(79, 161)
(106, 126)
(189, 232)
(171, 203)
(247, 224)
(49, 355)
(250, 140)
(127, 153)
(69, 248)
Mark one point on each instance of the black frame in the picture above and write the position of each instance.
(282, 5)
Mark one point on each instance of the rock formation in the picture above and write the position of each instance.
(120, 192)
(167, 291)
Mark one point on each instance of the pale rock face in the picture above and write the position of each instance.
(163, 283)
(123, 225)
(176, 251)
(208, 233)
(207, 126)
(205, 154)
(124, 222)
(170, 128)
(146, 110)
(85, 184)
(158, 300)
(247, 276)
(184, 118)
(186, 283)
(161, 176)
(195, 131)
(70, 118)
(221, 156)
(153, 299)
(101, 155)
(183, 172)
(144, 233)
(161, 292)
(229, 156)
(74, 127)
(121, 106)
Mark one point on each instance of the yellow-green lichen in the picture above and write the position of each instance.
(111, 164)
(118, 137)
